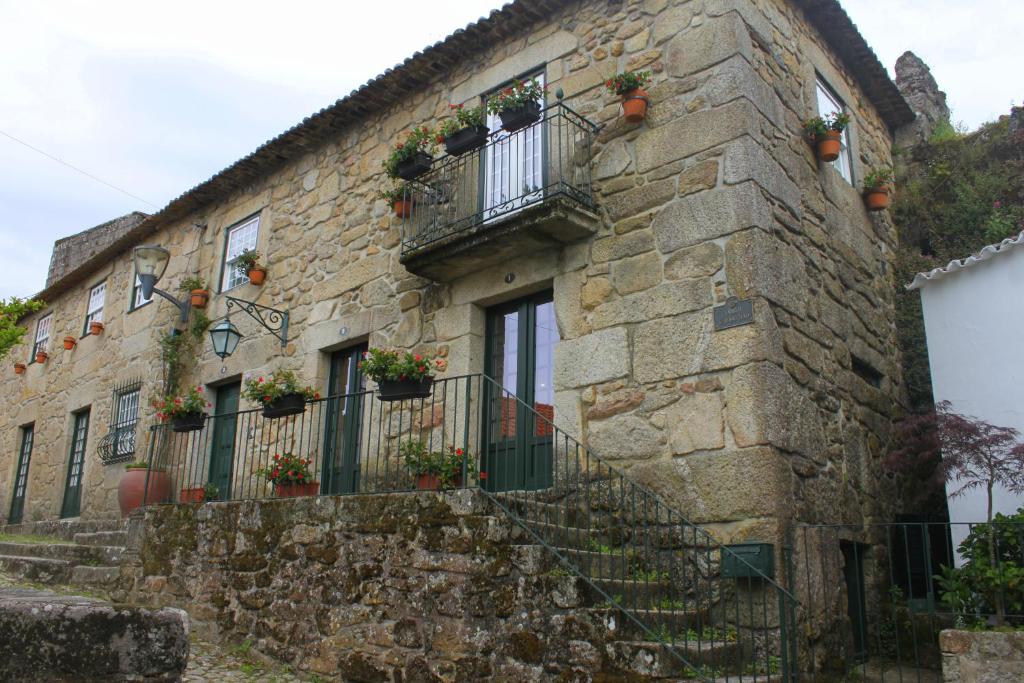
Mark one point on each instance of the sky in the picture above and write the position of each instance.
(154, 98)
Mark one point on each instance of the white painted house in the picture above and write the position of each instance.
(974, 322)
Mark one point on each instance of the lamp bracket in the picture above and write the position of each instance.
(271, 319)
(183, 306)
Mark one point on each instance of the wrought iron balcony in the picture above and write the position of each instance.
(520, 192)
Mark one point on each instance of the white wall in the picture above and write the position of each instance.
(974, 321)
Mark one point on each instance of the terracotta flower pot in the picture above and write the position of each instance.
(199, 297)
(290, 490)
(19, 368)
(96, 327)
(257, 275)
(41, 357)
(196, 495)
(877, 198)
(634, 105)
(132, 490)
(829, 145)
(69, 342)
(432, 482)
(403, 208)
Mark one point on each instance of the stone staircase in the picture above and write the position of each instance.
(85, 554)
(654, 625)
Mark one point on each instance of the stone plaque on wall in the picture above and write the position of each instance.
(733, 313)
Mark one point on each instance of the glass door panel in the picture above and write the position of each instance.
(345, 385)
(72, 504)
(513, 166)
(222, 455)
(21, 475)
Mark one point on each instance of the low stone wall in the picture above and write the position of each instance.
(982, 656)
(376, 588)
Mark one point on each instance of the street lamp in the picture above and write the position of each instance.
(150, 264)
(225, 338)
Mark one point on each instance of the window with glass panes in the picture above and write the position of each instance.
(126, 415)
(829, 102)
(94, 313)
(21, 475)
(137, 298)
(42, 335)
(241, 238)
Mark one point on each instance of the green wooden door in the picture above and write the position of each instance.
(517, 449)
(21, 475)
(222, 451)
(343, 415)
(72, 505)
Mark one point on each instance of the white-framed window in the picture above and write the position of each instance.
(137, 299)
(127, 408)
(97, 297)
(829, 102)
(240, 238)
(42, 335)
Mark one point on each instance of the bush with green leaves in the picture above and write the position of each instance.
(11, 312)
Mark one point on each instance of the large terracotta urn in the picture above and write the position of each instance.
(132, 490)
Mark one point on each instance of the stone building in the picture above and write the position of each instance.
(622, 244)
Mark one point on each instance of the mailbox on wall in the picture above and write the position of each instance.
(756, 556)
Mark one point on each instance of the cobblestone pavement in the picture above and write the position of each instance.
(208, 662)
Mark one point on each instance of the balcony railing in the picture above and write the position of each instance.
(513, 172)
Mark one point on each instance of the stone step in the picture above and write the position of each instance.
(559, 513)
(85, 575)
(76, 554)
(63, 528)
(657, 660)
(40, 569)
(119, 538)
(576, 537)
(633, 595)
(673, 621)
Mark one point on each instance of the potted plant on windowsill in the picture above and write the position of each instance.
(412, 157)
(133, 489)
(199, 293)
(280, 394)
(96, 328)
(877, 188)
(826, 134)
(518, 105)
(41, 357)
(69, 342)
(629, 85)
(400, 198)
(19, 368)
(400, 376)
(434, 470)
(185, 413)
(465, 131)
(290, 476)
(248, 264)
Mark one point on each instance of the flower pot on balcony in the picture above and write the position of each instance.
(257, 275)
(466, 140)
(69, 342)
(400, 390)
(199, 297)
(403, 208)
(188, 422)
(634, 105)
(829, 145)
(194, 495)
(877, 199)
(96, 328)
(432, 482)
(132, 491)
(292, 490)
(41, 357)
(415, 166)
(19, 368)
(289, 404)
(520, 117)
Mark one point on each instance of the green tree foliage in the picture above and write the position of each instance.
(11, 312)
(955, 194)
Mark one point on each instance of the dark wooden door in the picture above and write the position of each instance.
(345, 387)
(519, 404)
(222, 452)
(72, 505)
(856, 608)
(21, 475)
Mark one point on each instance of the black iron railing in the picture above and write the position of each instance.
(873, 598)
(512, 172)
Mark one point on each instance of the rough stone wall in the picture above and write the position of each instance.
(402, 587)
(716, 194)
(71, 252)
(981, 656)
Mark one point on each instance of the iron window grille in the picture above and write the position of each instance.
(94, 313)
(42, 335)
(240, 238)
(118, 445)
